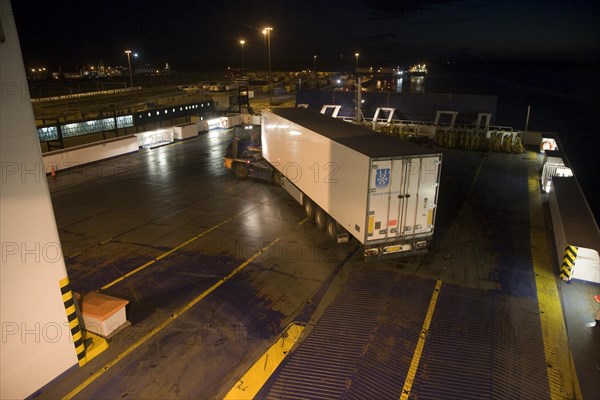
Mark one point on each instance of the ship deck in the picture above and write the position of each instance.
(220, 271)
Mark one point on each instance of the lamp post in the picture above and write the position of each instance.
(315, 63)
(264, 32)
(242, 42)
(358, 100)
(267, 32)
(128, 52)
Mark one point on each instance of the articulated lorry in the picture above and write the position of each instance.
(354, 181)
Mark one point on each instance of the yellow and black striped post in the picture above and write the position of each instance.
(566, 269)
(69, 302)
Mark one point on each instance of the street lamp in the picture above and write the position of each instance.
(242, 42)
(358, 100)
(128, 52)
(267, 32)
(264, 32)
(315, 63)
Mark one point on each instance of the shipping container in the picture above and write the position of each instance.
(355, 181)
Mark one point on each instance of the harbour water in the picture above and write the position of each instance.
(561, 98)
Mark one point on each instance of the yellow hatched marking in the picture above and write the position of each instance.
(71, 310)
(165, 254)
(253, 380)
(63, 282)
(414, 364)
(562, 377)
(165, 323)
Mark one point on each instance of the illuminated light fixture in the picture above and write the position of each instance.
(128, 52)
(242, 42)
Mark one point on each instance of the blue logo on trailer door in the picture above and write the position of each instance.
(382, 178)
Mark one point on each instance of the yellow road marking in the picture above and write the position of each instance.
(303, 221)
(562, 377)
(254, 379)
(414, 364)
(158, 328)
(165, 254)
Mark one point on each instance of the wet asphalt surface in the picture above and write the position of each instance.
(117, 215)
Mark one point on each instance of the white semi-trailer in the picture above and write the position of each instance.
(354, 181)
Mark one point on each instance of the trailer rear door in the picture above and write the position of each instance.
(402, 197)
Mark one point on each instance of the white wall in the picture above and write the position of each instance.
(35, 344)
(80, 155)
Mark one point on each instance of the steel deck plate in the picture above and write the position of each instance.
(481, 344)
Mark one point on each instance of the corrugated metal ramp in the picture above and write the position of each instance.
(481, 345)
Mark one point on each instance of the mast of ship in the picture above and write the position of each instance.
(358, 117)
(358, 112)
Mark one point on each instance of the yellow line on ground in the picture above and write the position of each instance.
(562, 377)
(165, 254)
(253, 380)
(171, 318)
(414, 364)
(303, 221)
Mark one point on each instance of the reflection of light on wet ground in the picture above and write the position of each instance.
(399, 85)
(417, 84)
(215, 135)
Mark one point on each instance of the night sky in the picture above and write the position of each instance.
(206, 34)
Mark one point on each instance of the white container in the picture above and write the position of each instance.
(380, 189)
(185, 131)
(102, 314)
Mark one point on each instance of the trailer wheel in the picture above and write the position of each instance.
(277, 178)
(309, 208)
(240, 170)
(332, 229)
(320, 219)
